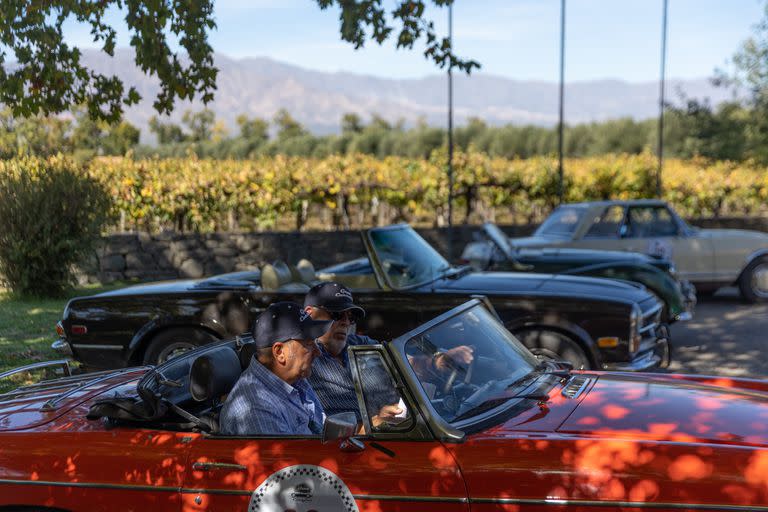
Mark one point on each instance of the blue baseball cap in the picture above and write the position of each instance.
(283, 321)
(333, 297)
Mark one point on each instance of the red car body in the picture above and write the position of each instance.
(620, 442)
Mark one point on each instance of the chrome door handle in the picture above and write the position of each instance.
(214, 466)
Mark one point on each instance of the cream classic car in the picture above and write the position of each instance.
(709, 258)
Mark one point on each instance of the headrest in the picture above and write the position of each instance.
(306, 271)
(213, 374)
(275, 275)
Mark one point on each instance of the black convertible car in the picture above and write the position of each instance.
(590, 322)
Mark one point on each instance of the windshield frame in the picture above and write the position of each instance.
(444, 430)
(579, 208)
(377, 262)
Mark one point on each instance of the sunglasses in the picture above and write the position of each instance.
(351, 314)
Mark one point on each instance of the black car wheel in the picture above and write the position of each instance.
(173, 342)
(549, 345)
(753, 282)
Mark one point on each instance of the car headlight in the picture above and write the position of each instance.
(634, 328)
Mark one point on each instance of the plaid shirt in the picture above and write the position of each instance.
(263, 403)
(332, 381)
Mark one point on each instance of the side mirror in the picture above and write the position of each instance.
(342, 426)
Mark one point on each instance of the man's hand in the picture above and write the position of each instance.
(388, 414)
(448, 360)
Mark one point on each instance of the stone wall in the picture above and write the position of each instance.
(145, 257)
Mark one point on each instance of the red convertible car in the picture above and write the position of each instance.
(502, 433)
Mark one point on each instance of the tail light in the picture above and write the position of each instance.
(79, 330)
(60, 329)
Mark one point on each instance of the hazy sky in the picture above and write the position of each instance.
(514, 38)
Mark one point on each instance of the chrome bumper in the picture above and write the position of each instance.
(653, 353)
(62, 347)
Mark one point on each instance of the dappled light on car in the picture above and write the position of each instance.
(70, 469)
(615, 412)
(644, 490)
(511, 507)
(445, 466)
(597, 463)
(756, 472)
(635, 393)
(689, 467)
(662, 430)
(708, 404)
(189, 502)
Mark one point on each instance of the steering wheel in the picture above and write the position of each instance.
(455, 373)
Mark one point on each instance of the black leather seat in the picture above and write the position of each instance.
(211, 377)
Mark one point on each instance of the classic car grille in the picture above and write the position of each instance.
(575, 386)
(650, 320)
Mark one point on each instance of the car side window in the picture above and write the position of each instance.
(651, 221)
(383, 407)
(607, 224)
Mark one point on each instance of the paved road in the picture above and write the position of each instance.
(726, 337)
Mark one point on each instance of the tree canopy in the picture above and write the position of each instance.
(40, 73)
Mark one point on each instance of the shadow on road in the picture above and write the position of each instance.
(726, 337)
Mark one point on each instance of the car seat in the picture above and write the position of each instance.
(304, 272)
(278, 277)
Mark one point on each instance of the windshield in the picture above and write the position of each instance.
(469, 364)
(563, 222)
(406, 259)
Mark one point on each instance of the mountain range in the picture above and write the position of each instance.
(259, 87)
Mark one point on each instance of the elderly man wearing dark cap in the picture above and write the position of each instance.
(331, 376)
(272, 395)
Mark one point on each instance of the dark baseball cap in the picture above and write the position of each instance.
(333, 297)
(283, 321)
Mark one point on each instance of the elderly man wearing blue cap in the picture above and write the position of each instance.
(272, 395)
(331, 376)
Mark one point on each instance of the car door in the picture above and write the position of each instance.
(654, 230)
(396, 467)
(93, 469)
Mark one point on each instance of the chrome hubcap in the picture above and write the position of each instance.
(760, 280)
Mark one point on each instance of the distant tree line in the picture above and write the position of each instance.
(729, 131)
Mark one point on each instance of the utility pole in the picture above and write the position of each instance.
(561, 186)
(660, 147)
(450, 137)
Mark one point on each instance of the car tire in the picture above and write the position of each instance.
(550, 345)
(172, 342)
(753, 282)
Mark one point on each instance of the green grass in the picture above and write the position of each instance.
(28, 326)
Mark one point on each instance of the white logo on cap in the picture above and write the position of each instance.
(303, 316)
(344, 293)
